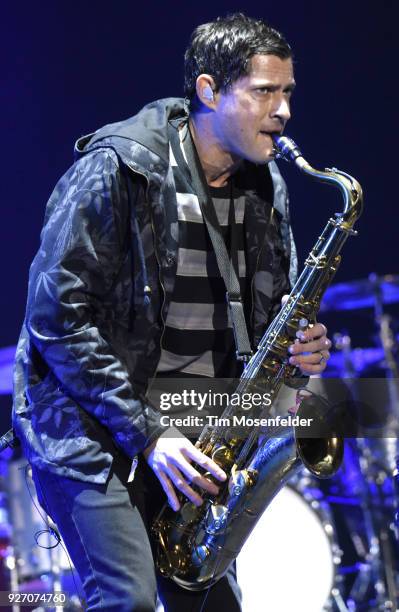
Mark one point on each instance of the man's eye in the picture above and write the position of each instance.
(263, 89)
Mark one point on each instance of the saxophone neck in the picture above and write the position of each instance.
(349, 187)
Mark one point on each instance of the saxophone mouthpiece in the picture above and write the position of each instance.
(286, 148)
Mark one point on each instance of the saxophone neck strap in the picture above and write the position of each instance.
(228, 266)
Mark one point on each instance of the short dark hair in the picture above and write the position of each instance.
(223, 48)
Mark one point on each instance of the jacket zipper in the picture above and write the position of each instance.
(162, 285)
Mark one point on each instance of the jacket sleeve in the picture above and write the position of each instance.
(77, 263)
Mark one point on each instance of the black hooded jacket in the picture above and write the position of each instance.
(99, 291)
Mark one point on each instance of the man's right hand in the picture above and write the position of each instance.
(170, 458)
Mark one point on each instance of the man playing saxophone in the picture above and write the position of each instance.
(126, 287)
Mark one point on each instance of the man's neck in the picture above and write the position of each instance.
(218, 165)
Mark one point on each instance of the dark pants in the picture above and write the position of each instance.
(105, 529)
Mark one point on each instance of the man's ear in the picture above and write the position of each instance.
(205, 89)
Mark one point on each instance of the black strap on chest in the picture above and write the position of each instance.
(228, 266)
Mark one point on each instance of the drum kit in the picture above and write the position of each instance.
(333, 545)
(328, 545)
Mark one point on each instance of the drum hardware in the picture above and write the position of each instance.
(353, 363)
(343, 343)
(377, 459)
(396, 486)
(354, 295)
(388, 532)
(366, 573)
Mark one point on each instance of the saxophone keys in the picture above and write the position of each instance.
(240, 480)
(200, 554)
(217, 519)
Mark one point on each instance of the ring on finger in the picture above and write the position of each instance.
(322, 357)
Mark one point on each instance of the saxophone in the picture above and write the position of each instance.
(196, 545)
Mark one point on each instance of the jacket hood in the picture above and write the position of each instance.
(149, 128)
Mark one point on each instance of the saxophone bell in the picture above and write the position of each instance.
(323, 455)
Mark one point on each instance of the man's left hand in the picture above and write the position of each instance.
(311, 351)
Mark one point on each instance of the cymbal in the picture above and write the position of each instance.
(361, 293)
(7, 355)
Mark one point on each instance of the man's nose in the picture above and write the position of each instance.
(281, 108)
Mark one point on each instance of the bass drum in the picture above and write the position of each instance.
(290, 560)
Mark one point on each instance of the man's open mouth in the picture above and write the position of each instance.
(271, 133)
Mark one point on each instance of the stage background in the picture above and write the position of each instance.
(69, 67)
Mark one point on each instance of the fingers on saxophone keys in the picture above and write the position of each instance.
(183, 486)
(207, 463)
(322, 344)
(168, 489)
(198, 479)
(317, 331)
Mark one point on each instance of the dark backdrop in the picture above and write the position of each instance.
(71, 66)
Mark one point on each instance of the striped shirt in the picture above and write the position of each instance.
(198, 336)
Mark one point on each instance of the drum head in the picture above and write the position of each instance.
(287, 562)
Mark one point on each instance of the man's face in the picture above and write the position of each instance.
(256, 106)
